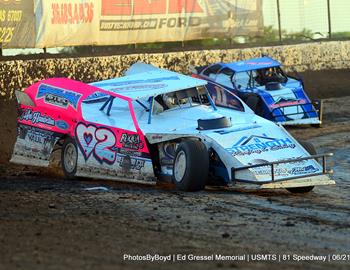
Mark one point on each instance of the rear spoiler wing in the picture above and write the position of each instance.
(272, 167)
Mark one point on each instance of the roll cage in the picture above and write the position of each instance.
(214, 70)
(191, 97)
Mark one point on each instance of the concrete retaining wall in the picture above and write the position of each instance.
(20, 74)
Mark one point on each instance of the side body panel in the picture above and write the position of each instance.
(34, 145)
(104, 151)
(112, 153)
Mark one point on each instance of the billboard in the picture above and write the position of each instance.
(17, 24)
(116, 22)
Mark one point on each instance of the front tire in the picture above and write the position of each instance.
(69, 158)
(191, 166)
(255, 103)
(310, 148)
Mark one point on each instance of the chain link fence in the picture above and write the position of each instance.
(306, 19)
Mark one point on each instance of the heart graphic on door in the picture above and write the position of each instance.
(85, 136)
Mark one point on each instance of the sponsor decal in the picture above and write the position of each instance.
(304, 170)
(61, 124)
(146, 20)
(72, 13)
(148, 24)
(269, 63)
(137, 84)
(259, 144)
(130, 152)
(37, 118)
(96, 97)
(36, 135)
(283, 102)
(130, 163)
(140, 87)
(131, 141)
(170, 9)
(146, 7)
(35, 142)
(284, 170)
(57, 96)
(157, 137)
(227, 131)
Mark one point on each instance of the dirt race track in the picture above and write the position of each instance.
(51, 223)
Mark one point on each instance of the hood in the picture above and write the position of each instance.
(258, 143)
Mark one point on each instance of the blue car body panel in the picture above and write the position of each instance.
(252, 64)
(289, 104)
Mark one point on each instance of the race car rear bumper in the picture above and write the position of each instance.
(305, 121)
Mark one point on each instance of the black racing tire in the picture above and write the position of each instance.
(309, 147)
(312, 151)
(191, 166)
(318, 105)
(300, 189)
(69, 158)
(251, 100)
(254, 102)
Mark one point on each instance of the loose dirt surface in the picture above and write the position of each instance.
(51, 223)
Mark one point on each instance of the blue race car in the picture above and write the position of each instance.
(265, 88)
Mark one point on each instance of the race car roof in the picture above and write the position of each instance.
(253, 64)
(149, 83)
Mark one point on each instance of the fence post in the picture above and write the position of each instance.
(279, 20)
(329, 19)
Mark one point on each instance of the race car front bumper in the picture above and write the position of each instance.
(321, 178)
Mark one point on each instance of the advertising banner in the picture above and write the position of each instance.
(116, 22)
(17, 24)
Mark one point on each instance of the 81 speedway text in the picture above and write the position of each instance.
(219, 257)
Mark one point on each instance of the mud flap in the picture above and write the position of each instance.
(33, 146)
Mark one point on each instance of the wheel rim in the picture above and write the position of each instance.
(70, 157)
(180, 166)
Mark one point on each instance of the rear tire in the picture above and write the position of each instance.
(69, 158)
(191, 166)
(310, 148)
(318, 105)
(300, 189)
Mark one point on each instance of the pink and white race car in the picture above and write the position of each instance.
(155, 123)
